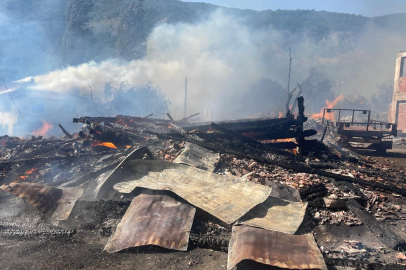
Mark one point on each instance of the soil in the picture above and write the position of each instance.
(85, 251)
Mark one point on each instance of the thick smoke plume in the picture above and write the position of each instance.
(224, 59)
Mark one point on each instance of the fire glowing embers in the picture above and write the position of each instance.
(329, 105)
(106, 144)
(46, 126)
(26, 174)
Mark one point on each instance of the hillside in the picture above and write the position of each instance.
(76, 31)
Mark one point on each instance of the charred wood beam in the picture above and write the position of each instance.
(385, 235)
(358, 264)
(54, 158)
(137, 119)
(27, 144)
(345, 186)
(148, 116)
(242, 124)
(312, 192)
(109, 134)
(212, 143)
(281, 134)
(94, 119)
(170, 117)
(184, 133)
(187, 118)
(47, 149)
(242, 138)
(286, 125)
(65, 132)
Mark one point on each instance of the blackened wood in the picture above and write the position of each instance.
(65, 132)
(170, 117)
(187, 118)
(28, 144)
(184, 133)
(233, 133)
(306, 193)
(385, 235)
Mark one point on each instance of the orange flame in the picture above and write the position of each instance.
(46, 126)
(31, 171)
(106, 144)
(280, 115)
(284, 140)
(26, 173)
(329, 105)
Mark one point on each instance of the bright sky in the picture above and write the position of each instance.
(369, 8)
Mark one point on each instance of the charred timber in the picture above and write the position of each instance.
(312, 192)
(244, 124)
(65, 132)
(304, 168)
(26, 144)
(107, 134)
(240, 137)
(385, 235)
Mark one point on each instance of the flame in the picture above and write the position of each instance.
(106, 144)
(31, 171)
(46, 126)
(26, 173)
(121, 122)
(284, 140)
(329, 105)
(128, 146)
(280, 115)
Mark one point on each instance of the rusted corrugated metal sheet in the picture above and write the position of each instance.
(66, 203)
(104, 186)
(274, 248)
(44, 198)
(198, 157)
(218, 195)
(154, 220)
(277, 215)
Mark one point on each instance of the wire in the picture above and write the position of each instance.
(13, 101)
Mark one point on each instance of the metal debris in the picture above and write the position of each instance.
(154, 220)
(277, 215)
(44, 198)
(199, 157)
(66, 203)
(216, 194)
(274, 248)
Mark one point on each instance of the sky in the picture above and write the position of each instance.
(369, 8)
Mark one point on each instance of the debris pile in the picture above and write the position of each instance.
(255, 188)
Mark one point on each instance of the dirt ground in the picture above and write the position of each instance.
(394, 157)
(85, 251)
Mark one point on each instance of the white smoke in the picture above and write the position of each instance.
(8, 119)
(222, 58)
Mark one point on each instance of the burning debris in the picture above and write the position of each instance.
(232, 185)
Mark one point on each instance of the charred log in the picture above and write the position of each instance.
(385, 235)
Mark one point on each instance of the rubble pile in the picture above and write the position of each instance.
(184, 184)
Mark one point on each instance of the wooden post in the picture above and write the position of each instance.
(185, 111)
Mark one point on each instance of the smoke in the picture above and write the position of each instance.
(8, 119)
(223, 58)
